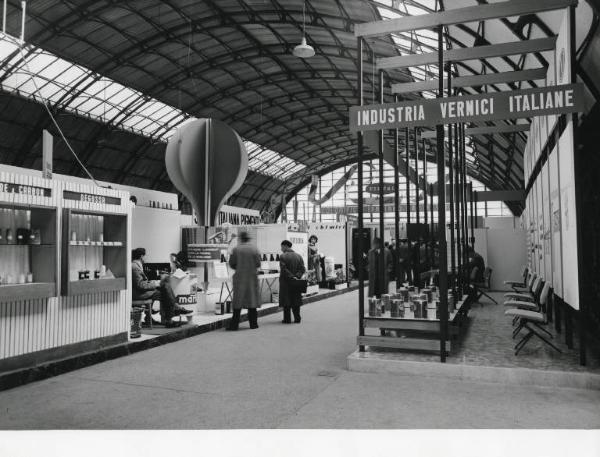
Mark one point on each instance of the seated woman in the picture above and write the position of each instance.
(144, 289)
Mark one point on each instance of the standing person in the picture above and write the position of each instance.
(292, 266)
(376, 288)
(245, 260)
(314, 258)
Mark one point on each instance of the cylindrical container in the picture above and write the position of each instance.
(429, 294)
(29, 277)
(404, 293)
(394, 307)
(378, 307)
(219, 308)
(385, 302)
(372, 306)
(424, 309)
(417, 310)
(329, 263)
(136, 322)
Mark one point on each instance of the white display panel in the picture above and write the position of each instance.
(569, 218)
(546, 236)
(551, 81)
(555, 213)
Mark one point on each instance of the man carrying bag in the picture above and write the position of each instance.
(291, 286)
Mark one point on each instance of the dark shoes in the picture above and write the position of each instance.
(254, 326)
(297, 321)
(181, 310)
(172, 324)
(286, 322)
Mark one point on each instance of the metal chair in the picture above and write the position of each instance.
(519, 284)
(532, 321)
(147, 307)
(481, 288)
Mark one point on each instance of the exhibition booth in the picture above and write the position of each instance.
(65, 274)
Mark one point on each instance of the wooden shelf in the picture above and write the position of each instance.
(98, 244)
(91, 286)
(16, 292)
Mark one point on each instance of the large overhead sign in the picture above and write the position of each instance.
(541, 101)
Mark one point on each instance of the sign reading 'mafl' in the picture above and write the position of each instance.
(541, 101)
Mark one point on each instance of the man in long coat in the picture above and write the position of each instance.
(378, 282)
(290, 298)
(245, 260)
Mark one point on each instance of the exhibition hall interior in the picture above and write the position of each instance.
(299, 214)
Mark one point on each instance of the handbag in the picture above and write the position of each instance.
(298, 285)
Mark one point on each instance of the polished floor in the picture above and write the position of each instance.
(281, 376)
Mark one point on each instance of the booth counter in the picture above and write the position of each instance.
(64, 268)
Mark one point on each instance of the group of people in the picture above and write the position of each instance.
(157, 290)
(245, 260)
(379, 280)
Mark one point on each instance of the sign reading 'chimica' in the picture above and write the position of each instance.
(469, 108)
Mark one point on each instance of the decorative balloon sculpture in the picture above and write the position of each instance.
(207, 161)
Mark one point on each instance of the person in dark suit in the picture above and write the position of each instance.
(290, 298)
(144, 289)
(379, 281)
(245, 260)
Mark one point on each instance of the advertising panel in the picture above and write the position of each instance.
(555, 233)
(569, 218)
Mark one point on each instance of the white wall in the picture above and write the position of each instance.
(507, 253)
(505, 222)
(158, 231)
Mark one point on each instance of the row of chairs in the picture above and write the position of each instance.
(527, 306)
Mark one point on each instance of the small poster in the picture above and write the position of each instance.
(221, 271)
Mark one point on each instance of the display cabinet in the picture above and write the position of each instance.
(94, 256)
(27, 252)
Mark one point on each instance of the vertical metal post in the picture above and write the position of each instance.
(471, 198)
(583, 275)
(361, 261)
(451, 154)
(417, 256)
(396, 200)
(426, 241)
(382, 264)
(441, 171)
(408, 260)
(431, 234)
(457, 203)
(464, 197)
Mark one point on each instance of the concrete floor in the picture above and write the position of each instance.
(280, 376)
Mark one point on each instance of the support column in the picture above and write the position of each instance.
(396, 199)
(441, 169)
(417, 248)
(361, 261)
(382, 265)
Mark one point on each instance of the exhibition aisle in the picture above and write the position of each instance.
(279, 376)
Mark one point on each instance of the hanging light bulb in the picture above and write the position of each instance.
(304, 50)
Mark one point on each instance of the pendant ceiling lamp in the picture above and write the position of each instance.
(304, 50)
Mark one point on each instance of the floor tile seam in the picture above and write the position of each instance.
(286, 416)
(148, 386)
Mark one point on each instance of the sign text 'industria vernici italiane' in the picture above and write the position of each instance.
(469, 108)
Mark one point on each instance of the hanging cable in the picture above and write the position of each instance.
(37, 91)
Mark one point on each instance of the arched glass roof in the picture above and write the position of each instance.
(148, 69)
(42, 76)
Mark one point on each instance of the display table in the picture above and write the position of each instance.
(417, 334)
(268, 281)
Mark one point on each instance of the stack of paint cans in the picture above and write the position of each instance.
(420, 309)
(395, 306)
(373, 306)
(429, 294)
(385, 302)
(404, 293)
